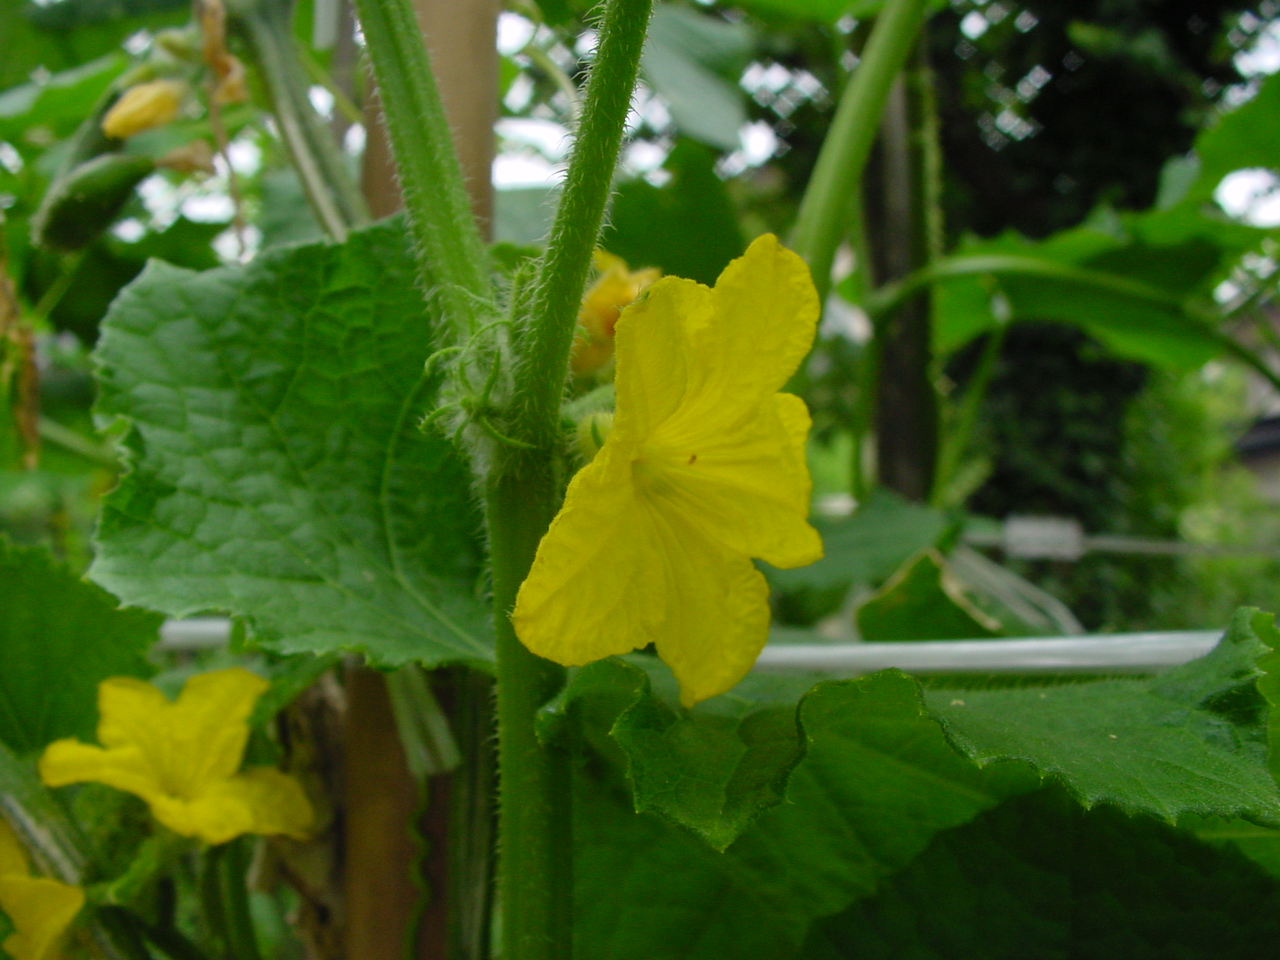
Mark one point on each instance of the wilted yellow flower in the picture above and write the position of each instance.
(39, 908)
(182, 758)
(144, 106)
(615, 287)
(703, 469)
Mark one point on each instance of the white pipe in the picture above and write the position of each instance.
(1109, 653)
(198, 633)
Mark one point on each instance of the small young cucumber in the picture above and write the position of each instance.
(84, 202)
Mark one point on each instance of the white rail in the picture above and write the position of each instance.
(1109, 653)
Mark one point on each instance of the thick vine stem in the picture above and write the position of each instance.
(547, 331)
(522, 495)
(821, 221)
(535, 869)
(451, 255)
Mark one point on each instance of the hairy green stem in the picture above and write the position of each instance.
(535, 877)
(522, 494)
(321, 167)
(450, 252)
(547, 333)
(820, 223)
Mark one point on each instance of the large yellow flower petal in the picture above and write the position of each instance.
(215, 816)
(715, 355)
(261, 800)
(703, 470)
(589, 594)
(125, 767)
(127, 710)
(182, 757)
(41, 910)
(617, 572)
(13, 855)
(160, 748)
(653, 355)
(748, 489)
(766, 318)
(718, 614)
(277, 801)
(209, 723)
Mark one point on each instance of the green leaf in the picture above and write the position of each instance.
(687, 227)
(868, 546)
(1040, 878)
(1260, 844)
(73, 14)
(59, 637)
(694, 62)
(56, 104)
(712, 769)
(286, 215)
(823, 11)
(962, 596)
(1244, 138)
(1192, 740)
(1263, 626)
(39, 35)
(1136, 282)
(924, 601)
(877, 782)
(277, 471)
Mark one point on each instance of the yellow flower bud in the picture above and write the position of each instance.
(144, 106)
(615, 287)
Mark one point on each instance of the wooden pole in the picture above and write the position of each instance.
(381, 800)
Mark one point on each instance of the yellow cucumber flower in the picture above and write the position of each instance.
(703, 470)
(615, 287)
(182, 757)
(40, 909)
(144, 106)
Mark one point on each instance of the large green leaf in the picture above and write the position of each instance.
(54, 106)
(694, 61)
(41, 35)
(1140, 283)
(1040, 878)
(1192, 740)
(686, 227)
(865, 548)
(1263, 626)
(712, 769)
(877, 782)
(1246, 137)
(59, 637)
(824, 11)
(924, 601)
(277, 470)
(868, 546)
